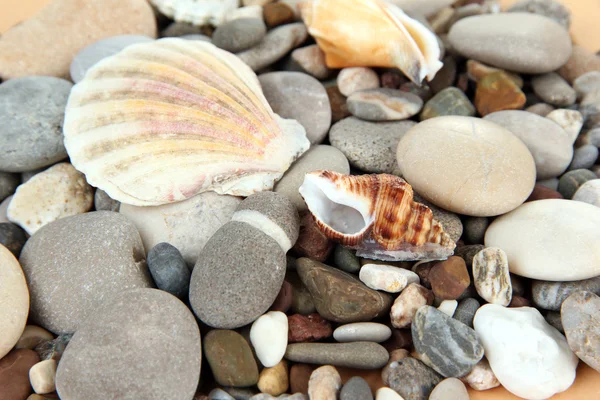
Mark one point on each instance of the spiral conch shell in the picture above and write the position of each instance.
(376, 215)
(162, 121)
(372, 33)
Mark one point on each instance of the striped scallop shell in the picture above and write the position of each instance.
(376, 215)
(160, 122)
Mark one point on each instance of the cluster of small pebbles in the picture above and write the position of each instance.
(222, 297)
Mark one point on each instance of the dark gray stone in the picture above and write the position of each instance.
(239, 34)
(412, 379)
(551, 295)
(584, 157)
(345, 259)
(8, 184)
(32, 110)
(467, 253)
(553, 318)
(448, 346)
(580, 314)
(103, 202)
(475, 228)
(362, 355)
(572, 180)
(465, 312)
(356, 388)
(169, 270)
(12, 237)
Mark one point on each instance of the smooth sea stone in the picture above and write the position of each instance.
(589, 192)
(474, 228)
(570, 182)
(579, 315)
(519, 42)
(239, 34)
(339, 296)
(491, 276)
(111, 355)
(465, 312)
(274, 46)
(58, 192)
(551, 295)
(385, 393)
(587, 83)
(301, 97)
(269, 336)
(169, 270)
(14, 374)
(496, 92)
(553, 318)
(31, 138)
(187, 224)
(362, 355)
(481, 376)
(312, 60)
(355, 79)
(324, 383)
(406, 305)
(90, 55)
(570, 120)
(549, 144)
(3, 207)
(103, 202)
(449, 389)
(384, 104)
(302, 301)
(345, 259)
(448, 346)
(46, 44)
(547, 8)
(584, 157)
(274, 381)
(387, 277)
(362, 332)
(467, 165)
(356, 388)
(369, 146)
(412, 379)
(517, 342)
(12, 237)
(42, 375)
(553, 89)
(67, 286)
(14, 301)
(582, 61)
(541, 109)
(230, 358)
(449, 101)
(8, 184)
(590, 109)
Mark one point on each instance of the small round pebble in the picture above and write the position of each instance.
(449, 389)
(42, 376)
(103, 202)
(449, 101)
(12, 237)
(570, 182)
(354, 79)
(570, 120)
(169, 270)
(269, 337)
(387, 277)
(412, 379)
(584, 157)
(325, 383)
(481, 376)
(449, 278)
(345, 259)
(406, 305)
(312, 60)
(587, 83)
(553, 89)
(239, 34)
(356, 388)
(362, 332)
(274, 380)
(589, 193)
(448, 307)
(384, 104)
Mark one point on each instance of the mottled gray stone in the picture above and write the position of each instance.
(169, 270)
(580, 314)
(345, 259)
(8, 184)
(465, 312)
(553, 89)
(356, 388)
(384, 104)
(32, 110)
(547, 8)
(239, 34)
(412, 379)
(570, 182)
(584, 157)
(468, 252)
(362, 355)
(475, 228)
(587, 83)
(103, 202)
(12, 237)
(75, 264)
(445, 344)
(551, 295)
(553, 318)
(142, 343)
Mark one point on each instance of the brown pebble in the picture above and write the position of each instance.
(276, 14)
(580, 62)
(339, 109)
(299, 377)
(400, 339)
(541, 192)
(497, 92)
(541, 109)
(477, 71)
(308, 328)
(449, 278)
(14, 374)
(518, 301)
(392, 79)
(423, 271)
(283, 301)
(311, 242)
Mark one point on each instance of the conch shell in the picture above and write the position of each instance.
(160, 122)
(372, 33)
(376, 215)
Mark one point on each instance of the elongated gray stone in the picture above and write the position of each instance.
(551, 295)
(363, 355)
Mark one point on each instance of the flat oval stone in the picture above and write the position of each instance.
(354, 79)
(356, 388)
(369, 146)
(525, 43)
(387, 277)
(467, 165)
(541, 237)
(384, 104)
(412, 379)
(14, 301)
(362, 332)
(301, 97)
(551, 295)
(239, 34)
(111, 353)
(362, 355)
(31, 139)
(71, 271)
(169, 271)
(549, 144)
(230, 358)
(579, 315)
(553, 89)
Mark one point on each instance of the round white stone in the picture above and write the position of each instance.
(448, 307)
(42, 376)
(449, 389)
(269, 336)
(385, 393)
(530, 358)
(386, 277)
(362, 332)
(551, 240)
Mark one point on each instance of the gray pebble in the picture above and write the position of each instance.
(590, 109)
(384, 104)
(589, 192)
(475, 228)
(553, 318)
(547, 8)
(356, 388)
(8, 184)
(177, 29)
(553, 89)
(541, 109)
(412, 379)
(169, 270)
(32, 110)
(467, 253)
(551, 295)
(572, 180)
(239, 34)
(193, 36)
(587, 83)
(362, 355)
(465, 312)
(345, 259)
(584, 157)
(103, 202)
(551, 183)
(450, 101)
(369, 146)
(12, 237)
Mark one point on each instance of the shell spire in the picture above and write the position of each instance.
(160, 122)
(382, 35)
(376, 215)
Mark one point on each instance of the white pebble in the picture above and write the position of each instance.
(570, 120)
(385, 393)
(362, 332)
(269, 336)
(449, 389)
(448, 307)
(324, 383)
(42, 376)
(386, 277)
(354, 79)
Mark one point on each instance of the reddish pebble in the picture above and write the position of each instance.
(449, 278)
(283, 301)
(14, 374)
(392, 79)
(308, 328)
(299, 376)
(311, 242)
(423, 271)
(276, 14)
(518, 301)
(401, 339)
(541, 192)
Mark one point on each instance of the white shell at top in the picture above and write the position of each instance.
(163, 121)
(197, 12)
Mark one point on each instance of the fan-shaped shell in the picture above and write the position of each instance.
(372, 33)
(376, 215)
(160, 122)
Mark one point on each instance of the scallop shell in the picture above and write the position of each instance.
(376, 215)
(372, 33)
(197, 12)
(163, 121)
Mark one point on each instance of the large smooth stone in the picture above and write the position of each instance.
(412, 379)
(525, 43)
(551, 295)
(143, 343)
(467, 165)
(301, 97)
(550, 145)
(529, 357)
(75, 264)
(579, 316)
(187, 224)
(14, 301)
(363, 355)
(551, 240)
(230, 358)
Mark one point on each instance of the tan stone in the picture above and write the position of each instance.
(42, 376)
(481, 377)
(32, 336)
(406, 305)
(324, 384)
(274, 380)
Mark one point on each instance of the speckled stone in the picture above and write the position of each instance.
(570, 182)
(103, 202)
(325, 383)
(449, 101)
(123, 325)
(553, 89)
(67, 286)
(481, 376)
(383, 104)
(230, 358)
(12, 237)
(239, 34)
(362, 355)
(579, 316)
(406, 305)
(491, 276)
(465, 312)
(369, 146)
(412, 379)
(354, 79)
(356, 388)
(551, 295)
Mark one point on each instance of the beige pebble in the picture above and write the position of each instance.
(570, 120)
(385, 393)
(42, 376)
(387, 277)
(274, 380)
(312, 60)
(255, 11)
(14, 301)
(589, 192)
(406, 305)
(324, 383)
(448, 307)
(481, 376)
(354, 79)
(449, 389)
(32, 336)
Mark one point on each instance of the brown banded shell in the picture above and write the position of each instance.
(376, 215)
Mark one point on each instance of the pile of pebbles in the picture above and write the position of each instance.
(197, 300)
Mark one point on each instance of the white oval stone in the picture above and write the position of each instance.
(42, 376)
(269, 336)
(385, 393)
(386, 277)
(589, 193)
(448, 307)
(354, 79)
(14, 301)
(570, 120)
(530, 358)
(362, 332)
(449, 389)
(550, 240)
